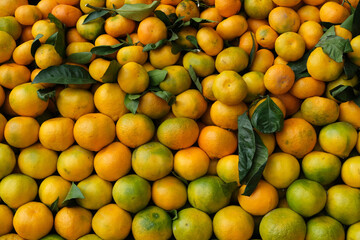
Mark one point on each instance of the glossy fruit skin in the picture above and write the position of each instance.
(209, 193)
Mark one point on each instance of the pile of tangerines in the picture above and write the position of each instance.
(180, 119)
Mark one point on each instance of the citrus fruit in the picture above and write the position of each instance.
(349, 112)
(33, 220)
(169, 193)
(53, 188)
(353, 231)
(203, 64)
(75, 102)
(73, 222)
(152, 223)
(320, 111)
(229, 87)
(281, 169)
(258, 9)
(209, 193)
(189, 104)
(111, 222)
(350, 172)
(57, 133)
(113, 161)
(255, 204)
(323, 68)
(338, 138)
(324, 227)
(231, 59)
(217, 142)
(37, 161)
(24, 100)
(232, 222)
(295, 132)
(191, 163)
(93, 131)
(192, 223)
(134, 130)
(306, 197)
(7, 160)
(152, 161)
(75, 163)
(177, 133)
(6, 218)
(7, 46)
(279, 79)
(281, 224)
(177, 80)
(343, 204)
(17, 189)
(132, 193)
(96, 191)
(321, 167)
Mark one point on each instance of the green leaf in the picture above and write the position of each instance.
(163, 17)
(157, 76)
(80, 57)
(195, 78)
(330, 32)
(176, 48)
(195, 22)
(192, 39)
(343, 93)
(167, 96)
(54, 206)
(228, 187)
(153, 46)
(64, 74)
(173, 214)
(201, 20)
(35, 44)
(246, 145)
(327, 25)
(173, 36)
(252, 52)
(57, 22)
(74, 193)
(104, 50)
(357, 101)
(131, 102)
(356, 22)
(60, 43)
(95, 15)
(43, 117)
(46, 93)
(52, 39)
(267, 117)
(335, 47)
(60, 37)
(180, 178)
(352, 9)
(350, 68)
(110, 76)
(137, 12)
(129, 40)
(259, 163)
(177, 22)
(348, 23)
(299, 67)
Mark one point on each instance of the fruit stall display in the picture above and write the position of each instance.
(180, 119)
